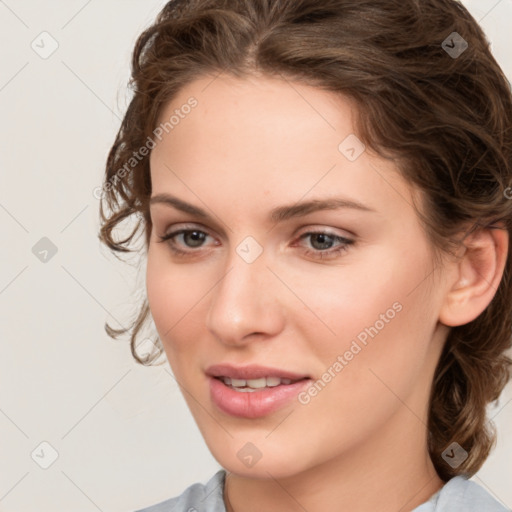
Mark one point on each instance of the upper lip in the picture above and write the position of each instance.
(251, 372)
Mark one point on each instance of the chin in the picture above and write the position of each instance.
(257, 459)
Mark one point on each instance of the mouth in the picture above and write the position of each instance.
(253, 391)
(252, 385)
(253, 373)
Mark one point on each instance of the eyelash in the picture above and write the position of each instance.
(318, 254)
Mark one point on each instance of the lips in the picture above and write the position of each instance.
(253, 391)
(252, 372)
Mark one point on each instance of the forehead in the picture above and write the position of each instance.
(278, 139)
(255, 101)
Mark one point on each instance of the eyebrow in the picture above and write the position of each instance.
(278, 214)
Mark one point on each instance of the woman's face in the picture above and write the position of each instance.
(339, 299)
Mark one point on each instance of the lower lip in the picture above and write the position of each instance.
(253, 404)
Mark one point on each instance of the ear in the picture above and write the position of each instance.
(477, 274)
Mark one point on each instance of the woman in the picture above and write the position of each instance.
(322, 187)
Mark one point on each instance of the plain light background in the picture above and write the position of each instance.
(121, 434)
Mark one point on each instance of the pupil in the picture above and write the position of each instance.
(196, 238)
(325, 241)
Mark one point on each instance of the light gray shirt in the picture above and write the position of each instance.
(458, 495)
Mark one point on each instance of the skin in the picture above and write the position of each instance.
(254, 144)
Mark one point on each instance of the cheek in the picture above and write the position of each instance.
(340, 303)
(166, 294)
(378, 312)
(176, 296)
(384, 337)
(382, 358)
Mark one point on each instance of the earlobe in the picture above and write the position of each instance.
(477, 274)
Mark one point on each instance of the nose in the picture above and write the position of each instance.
(245, 304)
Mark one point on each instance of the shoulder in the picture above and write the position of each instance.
(196, 498)
(461, 494)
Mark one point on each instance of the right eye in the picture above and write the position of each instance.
(191, 238)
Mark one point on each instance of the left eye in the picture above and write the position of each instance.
(322, 243)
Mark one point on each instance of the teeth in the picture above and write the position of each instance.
(252, 384)
(273, 381)
(257, 383)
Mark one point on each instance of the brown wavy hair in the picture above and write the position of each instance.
(445, 119)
